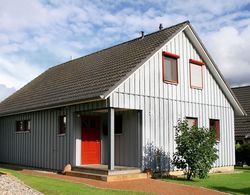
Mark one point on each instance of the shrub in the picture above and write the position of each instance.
(155, 159)
(243, 153)
(195, 151)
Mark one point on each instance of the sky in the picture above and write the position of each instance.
(38, 34)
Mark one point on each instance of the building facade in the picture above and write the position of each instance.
(169, 76)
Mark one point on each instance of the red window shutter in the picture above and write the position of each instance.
(217, 129)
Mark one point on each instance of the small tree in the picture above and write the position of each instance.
(195, 151)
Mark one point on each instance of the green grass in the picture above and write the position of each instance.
(233, 183)
(53, 186)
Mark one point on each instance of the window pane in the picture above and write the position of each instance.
(62, 124)
(18, 126)
(170, 69)
(167, 69)
(26, 125)
(196, 75)
(21, 126)
(191, 121)
(214, 124)
(174, 70)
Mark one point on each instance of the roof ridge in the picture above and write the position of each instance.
(125, 42)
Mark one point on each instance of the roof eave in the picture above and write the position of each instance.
(98, 98)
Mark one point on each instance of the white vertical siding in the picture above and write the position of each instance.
(163, 104)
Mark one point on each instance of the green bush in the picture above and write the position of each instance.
(195, 151)
(243, 153)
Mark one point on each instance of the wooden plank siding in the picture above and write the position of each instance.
(128, 145)
(42, 147)
(163, 104)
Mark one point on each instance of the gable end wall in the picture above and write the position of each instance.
(163, 104)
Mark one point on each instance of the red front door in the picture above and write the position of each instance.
(91, 143)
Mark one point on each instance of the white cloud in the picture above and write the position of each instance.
(5, 92)
(35, 35)
(230, 49)
(17, 72)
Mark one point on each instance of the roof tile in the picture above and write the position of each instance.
(242, 123)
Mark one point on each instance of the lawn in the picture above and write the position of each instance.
(48, 185)
(233, 183)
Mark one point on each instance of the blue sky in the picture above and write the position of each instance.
(38, 34)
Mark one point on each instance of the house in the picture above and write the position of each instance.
(242, 123)
(104, 108)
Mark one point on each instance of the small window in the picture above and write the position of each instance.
(170, 68)
(192, 121)
(214, 124)
(62, 124)
(27, 125)
(196, 79)
(22, 126)
(118, 124)
(19, 126)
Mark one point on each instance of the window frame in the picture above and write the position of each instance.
(172, 56)
(194, 118)
(18, 126)
(217, 131)
(61, 121)
(196, 63)
(25, 126)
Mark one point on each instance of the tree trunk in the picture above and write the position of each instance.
(189, 174)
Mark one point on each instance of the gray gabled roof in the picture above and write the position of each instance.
(242, 123)
(88, 77)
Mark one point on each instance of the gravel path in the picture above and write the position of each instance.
(10, 185)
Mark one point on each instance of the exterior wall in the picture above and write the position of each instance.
(163, 104)
(42, 147)
(128, 145)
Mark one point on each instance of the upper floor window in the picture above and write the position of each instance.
(192, 121)
(23, 125)
(196, 77)
(62, 124)
(170, 67)
(214, 124)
